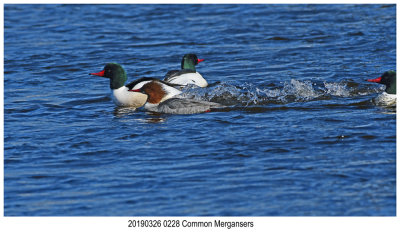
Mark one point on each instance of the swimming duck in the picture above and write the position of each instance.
(188, 74)
(388, 97)
(162, 98)
(119, 91)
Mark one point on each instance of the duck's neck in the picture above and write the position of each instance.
(188, 66)
(118, 80)
(391, 88)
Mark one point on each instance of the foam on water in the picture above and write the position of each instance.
(337, 89)
(249, 94)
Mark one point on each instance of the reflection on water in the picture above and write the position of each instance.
(391, 109)
(123, 111)
(131, 112)
(155, 120)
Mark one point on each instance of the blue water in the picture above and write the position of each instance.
(300, 135)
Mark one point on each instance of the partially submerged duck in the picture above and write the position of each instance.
(388, 97)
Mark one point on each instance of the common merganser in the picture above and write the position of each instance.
(120, 92)
(163, 98)
(188, 74)
(388, 97)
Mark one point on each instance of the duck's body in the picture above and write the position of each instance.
(387, 98)
(188, 74)
(182, 106)
(185, 78)
(163, 98)
(122, 97)
(120, 93)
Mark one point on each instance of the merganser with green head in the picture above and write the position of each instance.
(188, 74)
(119, 91)
(388, 97)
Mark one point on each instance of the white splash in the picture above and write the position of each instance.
(337, 89)
(302, 90)
(229, 93)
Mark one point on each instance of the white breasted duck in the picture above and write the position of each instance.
(120, 92)
(188, 74)
(162, 98)
(388, 97)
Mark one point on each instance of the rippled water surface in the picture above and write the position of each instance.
(300, 134)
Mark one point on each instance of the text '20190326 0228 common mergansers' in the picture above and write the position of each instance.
(163, 98)
(119, 91)
(388, 97)
(188, 74)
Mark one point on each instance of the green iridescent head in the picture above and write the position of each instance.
(115, 72)
(189, 62)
